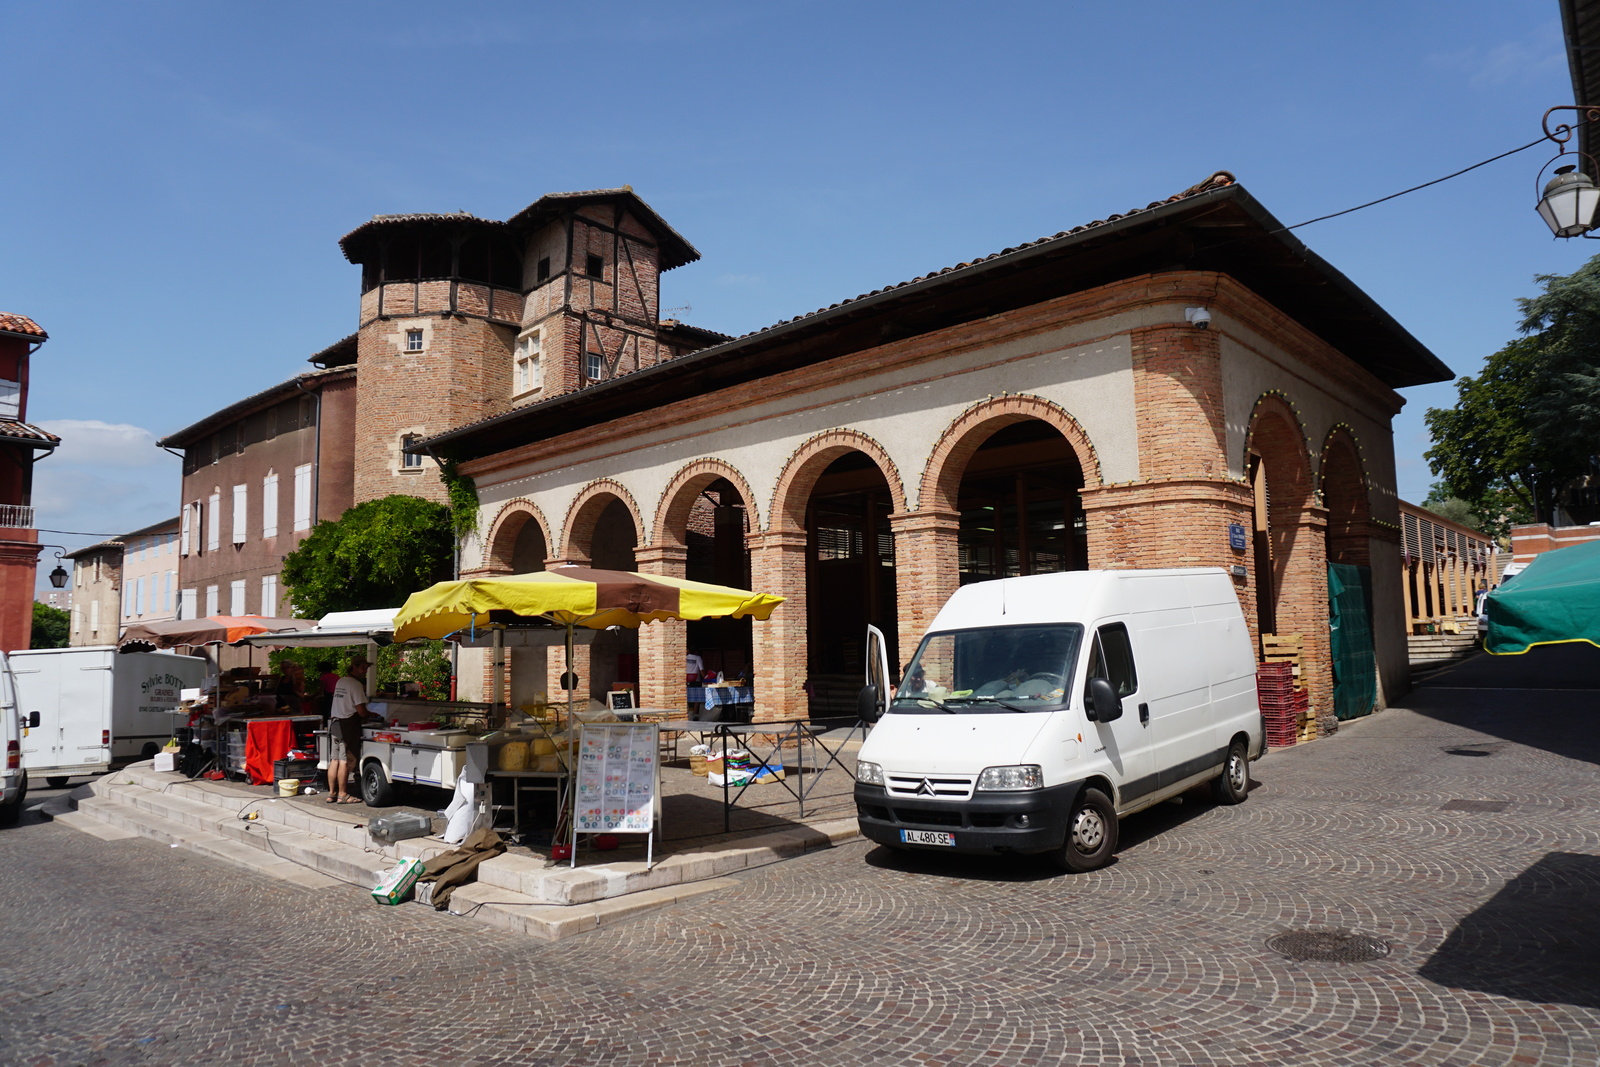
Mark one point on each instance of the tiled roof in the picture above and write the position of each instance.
(21, 431)
(10, 323)
(99, 546)
(341, 353)
(1221, 179)
(1212, 226)
(217, 419)
(358, 241)
(675, 251)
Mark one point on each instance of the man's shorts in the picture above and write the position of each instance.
(344, 737)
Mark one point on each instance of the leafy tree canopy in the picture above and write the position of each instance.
(49, 627)
(1527, 426)
(1455, 509)
(377, 554)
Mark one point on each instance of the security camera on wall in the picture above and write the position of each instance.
(1199, 318)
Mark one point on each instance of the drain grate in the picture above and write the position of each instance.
(1476, 805)
(1328, 946)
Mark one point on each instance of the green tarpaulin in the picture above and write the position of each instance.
(1355, 667)
(1556, 599)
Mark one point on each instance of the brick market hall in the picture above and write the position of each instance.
(1184, 384)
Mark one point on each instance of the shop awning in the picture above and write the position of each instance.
(1555, 600)
(335, 630)
(212, 630)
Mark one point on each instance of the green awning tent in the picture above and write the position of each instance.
(1555, 600)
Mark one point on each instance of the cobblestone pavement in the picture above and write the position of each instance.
(123, 952)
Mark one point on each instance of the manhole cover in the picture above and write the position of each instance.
(1330, 946)
(1487, 748)
(1476, 805)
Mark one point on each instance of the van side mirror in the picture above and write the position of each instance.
(33, 720)
(867, 704)
(1104, 704)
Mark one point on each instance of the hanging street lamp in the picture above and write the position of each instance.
(1570, 199)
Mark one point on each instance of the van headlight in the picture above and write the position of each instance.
(869, 773)
(1011, 779)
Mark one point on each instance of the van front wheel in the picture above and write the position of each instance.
(1091, 833)
(1232, 786)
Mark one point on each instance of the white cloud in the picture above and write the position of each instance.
(1536, 56)
(105, 444)
(106, 478)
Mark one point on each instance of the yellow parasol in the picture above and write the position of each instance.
(574, 596)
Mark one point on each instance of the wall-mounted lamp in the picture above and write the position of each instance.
(58, 577)
(1569, 200)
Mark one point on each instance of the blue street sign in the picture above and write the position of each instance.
(1236, 539)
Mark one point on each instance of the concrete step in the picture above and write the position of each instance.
(297, 841)
(510, 910)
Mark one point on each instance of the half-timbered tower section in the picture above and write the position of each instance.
(1184, 384)
(464, 317)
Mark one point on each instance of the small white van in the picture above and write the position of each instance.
(1037, 711)
(92, 707)
(13, 775)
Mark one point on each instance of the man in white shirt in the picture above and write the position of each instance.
(344, 731)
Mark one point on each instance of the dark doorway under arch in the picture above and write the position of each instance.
(1020, 504)
(716, 552)
(850, 578)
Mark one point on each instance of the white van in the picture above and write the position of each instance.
(1039, 710)
(13, 775)
(92, 706)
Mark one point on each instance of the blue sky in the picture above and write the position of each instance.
(178, 174)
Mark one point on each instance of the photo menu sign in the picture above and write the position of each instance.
(617, 775)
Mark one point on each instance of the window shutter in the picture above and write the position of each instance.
(188, 533)
(236, 597)
(269, 506)
(211, 600)
(269, 594)
(241, 508)
(189, 604)
(214, 523)
(302, 497)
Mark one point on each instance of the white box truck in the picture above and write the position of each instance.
(97, 707)
(1038, 711)
(13, 776)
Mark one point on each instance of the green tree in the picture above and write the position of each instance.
(1459, 511)
(50, 626)
(377, 554)
(1527, 426)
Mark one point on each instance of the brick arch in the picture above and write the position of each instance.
(1342, 479)
(941, 478)
(806, 464)
(672, 510)
(578, 529)
(1277, 430)
(501, 540)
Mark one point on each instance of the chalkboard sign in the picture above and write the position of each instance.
(620, 700)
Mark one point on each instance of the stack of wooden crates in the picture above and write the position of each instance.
(1286, 648)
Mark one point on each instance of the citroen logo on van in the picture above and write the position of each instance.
(925, 789)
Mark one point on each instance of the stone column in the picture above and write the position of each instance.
(662, 645)
(778, 565)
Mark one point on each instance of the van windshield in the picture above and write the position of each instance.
(996, 669)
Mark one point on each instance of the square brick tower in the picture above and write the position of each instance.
(463, 318)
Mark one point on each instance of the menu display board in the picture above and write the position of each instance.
(617, 776)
